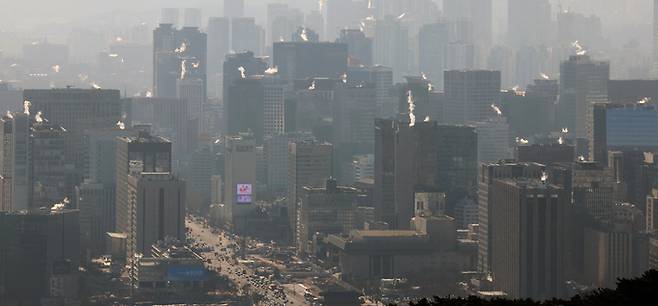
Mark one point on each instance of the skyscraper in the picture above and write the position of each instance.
(583, 81)
(355, 110)
(489, 173)
(493, 139)
(433, 42)
(384, 191)
(391, 46)
(529, 22)
(426, 157)
(156, 209)
(256, 104)
(621, 127)
(239, 180)
(218, 43)
(16, 162)
(232, 70)
(246, 35)
(309, 165)
(304, 60)
(178, 54)
(149, 153)
(469, 95)
(476, 12)
(359, 47)
(528, 221)
(77, 110)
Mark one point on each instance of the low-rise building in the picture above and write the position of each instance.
(171, 267)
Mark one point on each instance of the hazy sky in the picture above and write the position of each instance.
(27, 13)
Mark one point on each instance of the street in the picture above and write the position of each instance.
(220, 252)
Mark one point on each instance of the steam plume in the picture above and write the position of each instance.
(412, 108)
(26, 107)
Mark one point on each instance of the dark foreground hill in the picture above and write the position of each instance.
(629, 292)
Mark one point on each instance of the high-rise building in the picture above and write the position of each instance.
(546, 153)
(355, 109)
(529, 22)
(651, 212)
(309, 165)
(170, 15)
(583, 81)
(629, 91)
(283, 20)
(246, 35)
(621, 127)
(256, 104)
(528, 218)
(469, 95)
(330, 209)
(391, 46)
(489, 173)
(239, 65)
(382, 79)
(614, 248)
(192, 17)
(276, 156)
(48, 163)
(239, 180)
(77, 110)
(493, 139)
(593, 188)
(315, 20)
(219, 41)
(384, 191)
(16, 162)
(97, 215)
(433, 42)
(304, 60)
(431, 158)
(152, 154)
(178, 54)
(476, 15)
(191, 93)
(32, 247)
(340, 14)
(156, 209)
(359, 47)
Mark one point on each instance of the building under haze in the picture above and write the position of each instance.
(178, 54)
(391, 46)
(469, 95)
(144, 153)
(583, 81)
(239, 181)
(309, 165)
(359, 46)
(256, 104)
(77, 110)
(489, 174)
(528, 218)
(303, 60)
(426, 157)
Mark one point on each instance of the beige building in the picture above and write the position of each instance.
(156, 210)
(309, 165)
(239, 180)
(367, 256)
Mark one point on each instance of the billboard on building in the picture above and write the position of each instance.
(244, 193)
